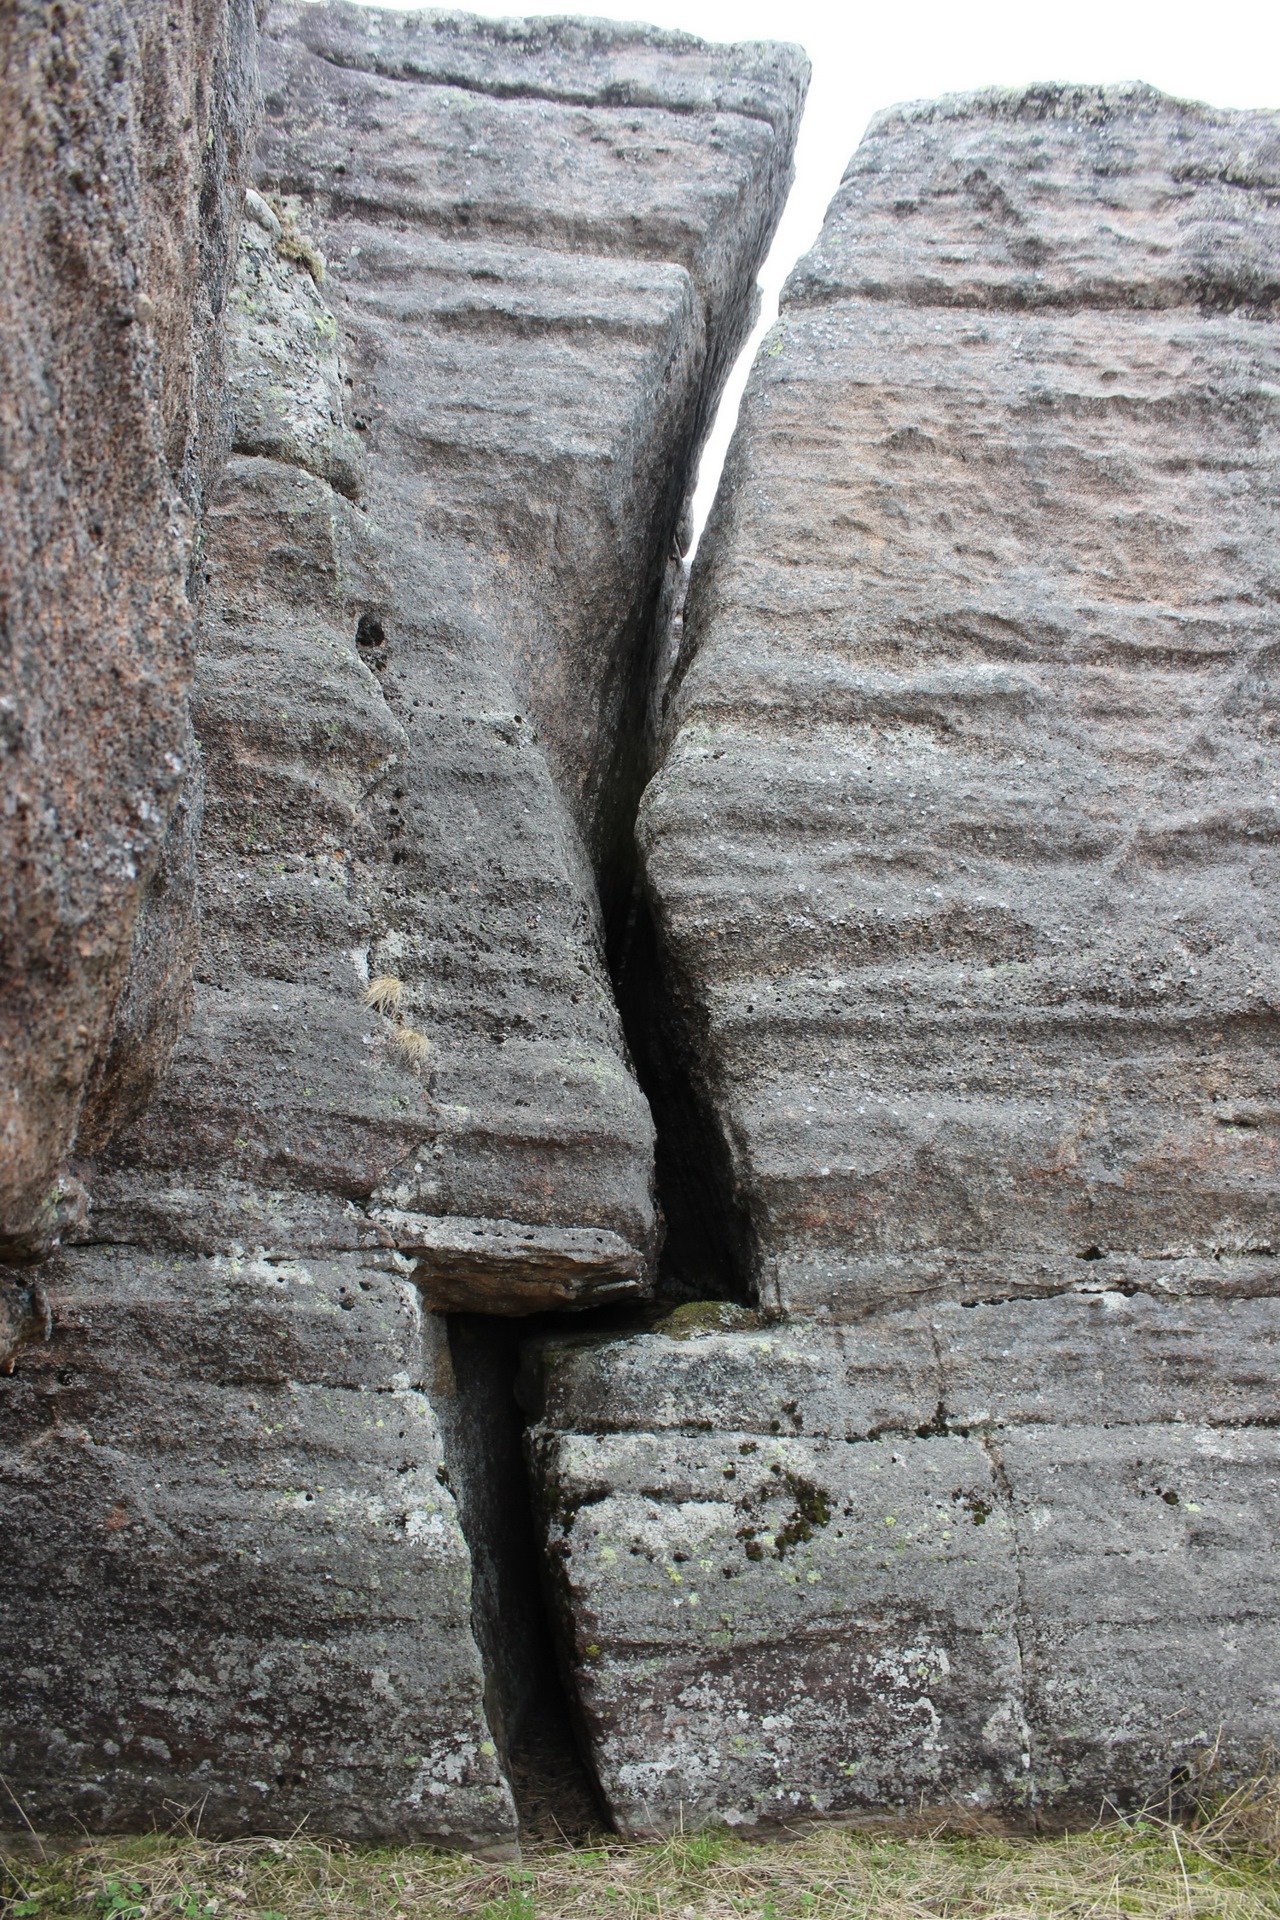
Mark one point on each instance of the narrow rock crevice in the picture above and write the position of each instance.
(531, 1695)
(705, 1247)
(528, 1701)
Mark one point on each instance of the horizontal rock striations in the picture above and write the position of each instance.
(482, 308)
(1004, 1559)
(962, 860)
(243, 1589)
(488, 525)
(954, 982)
(963, 843)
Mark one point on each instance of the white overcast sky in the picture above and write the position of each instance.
(872, 53)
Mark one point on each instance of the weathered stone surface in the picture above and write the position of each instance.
(243, 1587)
(537, 294)
(1082, 1358)
(421, 762)
(788, 1626)
(962, 863)
(963, 849)
(1009, 1558)
(1055, 197)
(125, 145)
(462, 433)
(1150, 1563)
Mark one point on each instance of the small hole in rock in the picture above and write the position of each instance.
(369, 631)
(1090, 1253)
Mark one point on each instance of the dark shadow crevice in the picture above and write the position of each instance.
(706, 1247)
(528, 1699)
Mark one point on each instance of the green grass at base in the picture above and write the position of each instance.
(1145, 1869)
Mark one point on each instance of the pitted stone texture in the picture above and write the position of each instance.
(1079, 1359)
(404, 703)
(963, 847)
(1005, 1559)
(961, 855)
(781, 1627)
(285, 373)
(126, 130)
(281, 1628)
(542, 240)
(243, 1587)
(1150, 1568)
(1057, 197)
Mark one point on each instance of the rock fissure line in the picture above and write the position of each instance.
(529, 1705)
(1021, 1616)
(703, 1253)
(1201, 298)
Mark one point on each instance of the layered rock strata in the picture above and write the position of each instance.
(487, 289)
(962, 858)
(126, 136)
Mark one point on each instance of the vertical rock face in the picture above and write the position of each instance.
(541, 243)
(125, 145)
(962, 854)
(243, 1586)
(978, 710)
(486, 526)
(482, 307)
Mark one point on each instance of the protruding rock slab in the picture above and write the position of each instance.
(796, 1576)
(498, 1266)
(963, 851)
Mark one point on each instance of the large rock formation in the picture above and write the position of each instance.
(489, 284)
(953, 985)
(963, 861)
(126, 129)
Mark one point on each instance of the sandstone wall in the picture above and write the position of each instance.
(962, 860)
(490, 280)
(950, 1002)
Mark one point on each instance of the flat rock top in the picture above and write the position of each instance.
(578, 62)
(1056, 196)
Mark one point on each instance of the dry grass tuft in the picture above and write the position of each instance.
(383, 993)
(1142, 1869)
(1244, 1819)
(414, 1045)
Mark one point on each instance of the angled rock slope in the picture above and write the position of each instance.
(963, 859)
(431, 571)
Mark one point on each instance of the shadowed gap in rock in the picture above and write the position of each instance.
(704, 1250)
(527, 1697)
